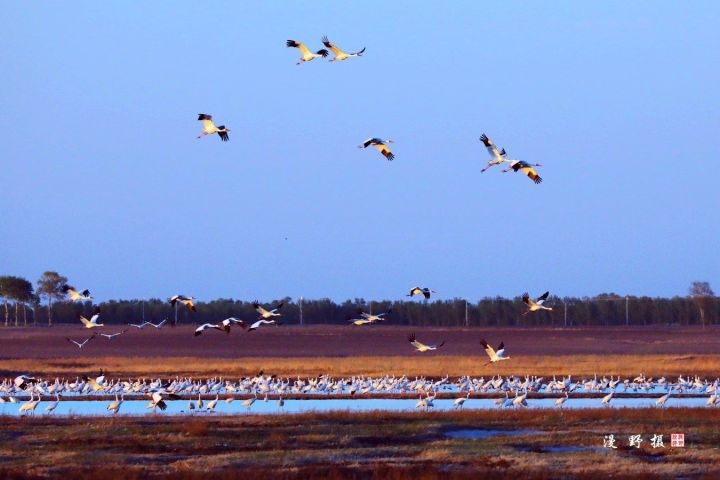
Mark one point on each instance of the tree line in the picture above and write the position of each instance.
(24, 305)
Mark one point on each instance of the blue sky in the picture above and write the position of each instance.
(105, 182)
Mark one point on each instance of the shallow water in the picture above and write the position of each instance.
(180, 407)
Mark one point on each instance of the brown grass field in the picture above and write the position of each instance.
(552, 444)
(376, 350)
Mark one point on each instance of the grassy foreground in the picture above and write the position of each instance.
(578, 366)
(552, 444)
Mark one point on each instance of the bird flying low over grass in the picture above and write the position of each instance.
(159, 397)
(535, 305)
(209, 127)
(228, 322)
(307, 55)
(81, 344)
(199, 330)
(24, 381)
(373, 318)
(525, 168)
(265, 314)
(417, 291)
(421, 347)
(359, 322)
(495, 356)
(187, 301)
(92, 323)
(110, 336)
(262, 322)
(339, 54)
(76, 296)
(159, 324)
(496, 157)
(381, 145)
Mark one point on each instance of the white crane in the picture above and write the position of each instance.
(114, 406)
(29, 406)
(380, 145)
(421, 347)
(158, 325)
(606, 399)
(139, 326)
(426, 292)
(199, 330)
(525, 168)
(358, 322)
(307, 55)
(561, 400)
(228, 322)
(92, 323)
(81, 344)
(373, 317)
(537, 304)
(212, 404)
(660, 402)
(76, 296)
(23, 381)
(266, 314)
(496, 157)
(158, 398)
(260, 323)
(110, 336)
(423, 403)
(460, 401)
(53, 405)
(249, 402)
(520, 400)
(209, 127)
(495, 356)
(187, 301)
(339, 54)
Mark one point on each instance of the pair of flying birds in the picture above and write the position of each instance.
(307, 55)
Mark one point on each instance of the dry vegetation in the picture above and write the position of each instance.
(553, 444)
(578, 366)
(342, 351)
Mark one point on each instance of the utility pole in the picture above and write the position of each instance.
(466, 312)
(301, 318)
(627, 317)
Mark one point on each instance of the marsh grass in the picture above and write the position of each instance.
(576, 365)
(363, 445)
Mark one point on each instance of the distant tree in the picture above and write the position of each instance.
(50, 286)
(16, 289)
(22, 295)
(702, 295)
(6, 294)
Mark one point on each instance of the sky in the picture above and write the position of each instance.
(105, 182)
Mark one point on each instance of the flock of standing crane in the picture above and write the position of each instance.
(498, 389)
